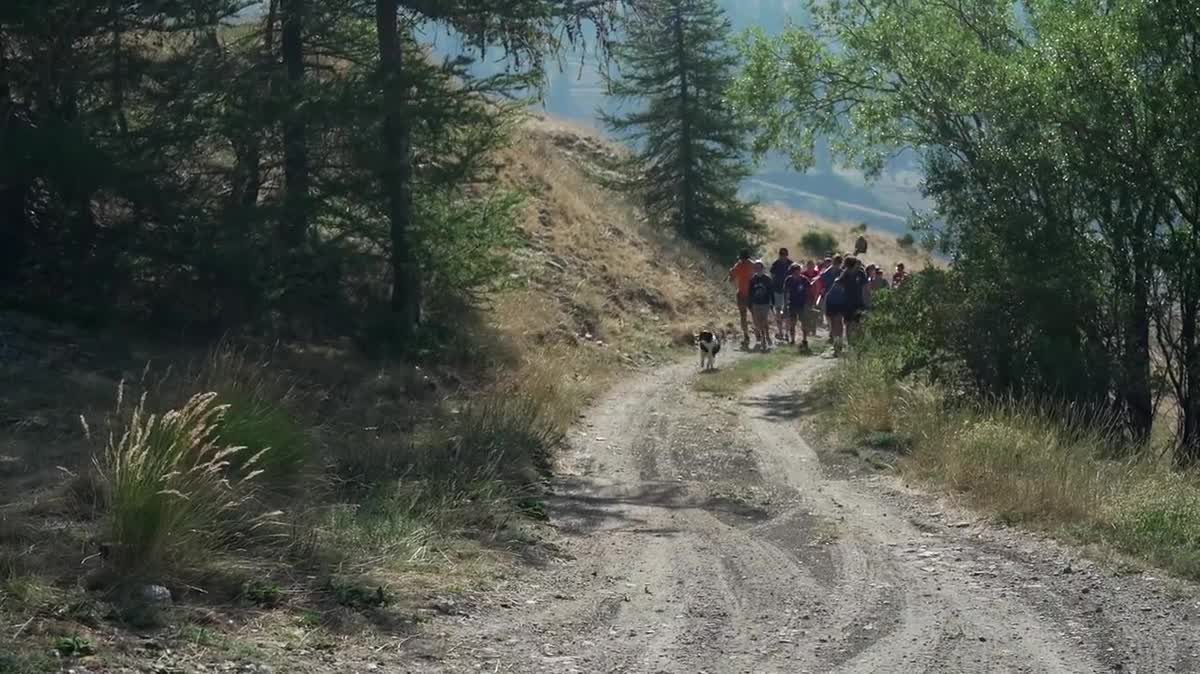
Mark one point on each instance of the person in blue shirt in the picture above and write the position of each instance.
(762, 302)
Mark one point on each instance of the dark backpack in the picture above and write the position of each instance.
(836, 297)
(761, 289)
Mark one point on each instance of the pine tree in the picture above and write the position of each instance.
(676, 64)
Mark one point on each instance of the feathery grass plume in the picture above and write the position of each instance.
(170, 495)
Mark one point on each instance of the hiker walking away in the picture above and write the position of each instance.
(860, 244)
(878, 280)
(858, 295)
(796, 295)
(740, 276)
(875, 283)
(829, 274)
(780, 270)
(815, 289)
(762, 300)
(900, 276)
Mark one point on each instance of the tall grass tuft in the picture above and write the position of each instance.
(255, 398)
(169, 492)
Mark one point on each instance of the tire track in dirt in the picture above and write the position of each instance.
(704, 535)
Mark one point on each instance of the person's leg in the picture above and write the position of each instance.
(835, 331)
(778, 312)
(762, 325)
(743, 306)
(852, 325)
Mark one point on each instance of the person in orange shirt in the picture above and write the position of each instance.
(740, 275)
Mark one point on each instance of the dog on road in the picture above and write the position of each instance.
(710, 345)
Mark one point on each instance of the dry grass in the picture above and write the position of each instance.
(1028, 465)
(787, 226)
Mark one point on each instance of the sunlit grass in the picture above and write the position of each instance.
(735, 377)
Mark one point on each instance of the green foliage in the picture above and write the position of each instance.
(73, 647)
(263, 593)
(193, 175)
(675, 66)
(352, 594)
(464, 240)
(818, 243)
(906, 241)
(260, 424)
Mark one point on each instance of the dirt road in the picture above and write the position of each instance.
(705, 535)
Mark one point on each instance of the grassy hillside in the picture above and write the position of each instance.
(386, 486)
(788, 228)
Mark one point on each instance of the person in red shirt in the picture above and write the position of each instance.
(740, 275)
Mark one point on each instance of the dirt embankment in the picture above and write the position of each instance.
(704, 534)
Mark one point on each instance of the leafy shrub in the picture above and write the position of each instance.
(73, 647)
(907, 241)
(170, 495)
(818, 242)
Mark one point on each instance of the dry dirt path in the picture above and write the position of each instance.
(699, 534)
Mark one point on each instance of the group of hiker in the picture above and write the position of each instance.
(836, 290)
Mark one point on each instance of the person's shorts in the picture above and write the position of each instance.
(797, 312)
(780, 298)
(743, 301)
(835, 310)
(808, 318)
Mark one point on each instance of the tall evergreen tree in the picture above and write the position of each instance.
(675, 66)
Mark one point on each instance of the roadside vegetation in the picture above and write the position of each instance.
(1052, 372)
(1042, 466)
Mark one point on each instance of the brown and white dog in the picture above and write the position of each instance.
(710, 345)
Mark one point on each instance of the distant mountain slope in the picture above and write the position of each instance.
(575, 92)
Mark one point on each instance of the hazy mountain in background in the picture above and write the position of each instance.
(575, 92)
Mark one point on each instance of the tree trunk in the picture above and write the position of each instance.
(14, 187)
(686, 197)
(294, 228)
(248, 145)
(1188, 394)
(397, 170)
(1138, 394)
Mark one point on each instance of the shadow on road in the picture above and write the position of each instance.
(789, 406)
(581, 507)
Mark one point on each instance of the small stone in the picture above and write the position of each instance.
(155, 594)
